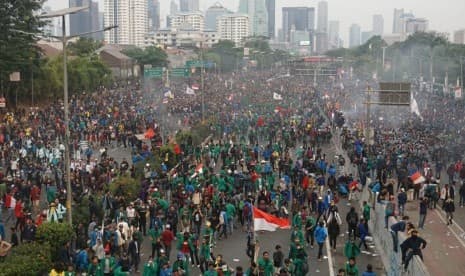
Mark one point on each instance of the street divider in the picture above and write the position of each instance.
(384, 243)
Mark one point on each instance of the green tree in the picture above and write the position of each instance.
(54, 234)
(125, 186)
(150, 55)
(27, 259)
(84, 46)
(19, 23)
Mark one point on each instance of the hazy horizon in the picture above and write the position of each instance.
(443, 16)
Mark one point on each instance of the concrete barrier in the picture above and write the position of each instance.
(384, 243)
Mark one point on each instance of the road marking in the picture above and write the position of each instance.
(450, 228)
(330, 258)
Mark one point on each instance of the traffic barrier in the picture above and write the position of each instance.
(384, 242)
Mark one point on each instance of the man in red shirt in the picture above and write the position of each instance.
(35, 196)
(167, 238)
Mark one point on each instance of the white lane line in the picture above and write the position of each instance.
(330, 258)
(450, 228)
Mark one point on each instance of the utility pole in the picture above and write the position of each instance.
(367, 127)
(202, 72)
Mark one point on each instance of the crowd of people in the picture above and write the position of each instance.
(263, 152)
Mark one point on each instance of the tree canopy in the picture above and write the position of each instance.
(150, 55)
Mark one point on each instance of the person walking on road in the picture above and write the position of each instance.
(363, 233)
(401, 201)
(351, 267)
(352, 221)
(449, 208)
(320, 236)
(423, 212)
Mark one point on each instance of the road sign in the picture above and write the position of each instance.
(153, 72)
(199, 63)
(394, 93)
(179, 72)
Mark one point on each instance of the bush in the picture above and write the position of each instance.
(125, 186)
(54, 234)
(28, 259)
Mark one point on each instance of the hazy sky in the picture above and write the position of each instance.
(443, 16)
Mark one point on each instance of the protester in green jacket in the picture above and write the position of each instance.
(351, 268)
(266, 264)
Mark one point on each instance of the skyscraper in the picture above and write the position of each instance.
(413, 25)
(301, 18)
(131, 18)
(174, 8)
(271, 10)
(258, 16)
(154, 15)
(213, 13)
(378, 24)
(333, 35)
(322, 27)
(354, 35)
(398, 22)
(85, 21)
(188, 5)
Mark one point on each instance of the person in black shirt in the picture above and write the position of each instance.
(413, 246)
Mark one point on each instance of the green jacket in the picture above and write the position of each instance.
(267, 265)
(113, 263)
(351, 250)
(230, 210)
(297, 221)
(181, 265)
(95, 270)
(154, 235)
(366, 212)
(149, 269)
(351, 270)
(210, 273)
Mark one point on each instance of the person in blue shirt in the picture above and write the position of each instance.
(369, 271)
(363, 233)
(320, 236)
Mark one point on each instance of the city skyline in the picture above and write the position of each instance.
(442, 18)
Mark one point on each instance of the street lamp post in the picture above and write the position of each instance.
(64, 40)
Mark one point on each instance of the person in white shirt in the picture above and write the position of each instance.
(99, 250)
(130, 213)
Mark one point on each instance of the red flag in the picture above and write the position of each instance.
(267, 222)
(260, 122)
(149, 134)
(177, 149)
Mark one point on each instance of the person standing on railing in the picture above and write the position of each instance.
(413, 246)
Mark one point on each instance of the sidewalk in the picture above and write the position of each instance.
(445, 251)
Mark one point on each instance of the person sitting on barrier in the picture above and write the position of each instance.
(413, 246)
(397, 227)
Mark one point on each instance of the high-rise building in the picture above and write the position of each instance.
(271, 10)
(398, 22)
(85, 21)
(299, 18)
(189, 5)
(333, 36)
(154, 15)
(321, 34)
(378, 24)
(322, 17)
(258, 16)
(131, 18)
(194, 19)
(174, 8)
(234, 27)
(354, 35)
(413, 25)
(213, 13)
(459, 36)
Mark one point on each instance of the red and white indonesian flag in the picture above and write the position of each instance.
(198, 170)
(195, 86)
(417, 178)
(264, 221)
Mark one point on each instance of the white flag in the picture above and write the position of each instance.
(277, 96)
(414, 107)
(169, 94)
(190, 91)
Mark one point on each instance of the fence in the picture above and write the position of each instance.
(384, 242)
